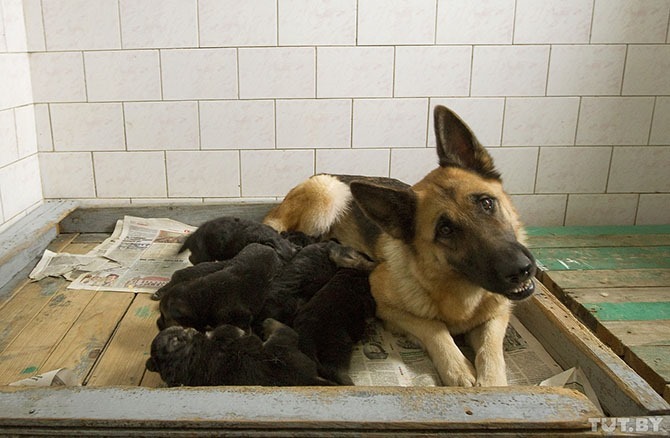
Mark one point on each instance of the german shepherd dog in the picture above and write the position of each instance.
(450, 249)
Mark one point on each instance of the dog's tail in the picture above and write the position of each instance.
(311, 207)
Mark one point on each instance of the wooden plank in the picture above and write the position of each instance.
(24, 356)
(621, 391)
(122, 362)
(604, 258)
(103, 219)
(619, 295)
(26, 240)
(619, 334)
(84, 342)
(152, 380)
(652, 362)
(606, 240)
(560, 280)
(293, 411)
(608, 230)
(633, 311)
(56, 245)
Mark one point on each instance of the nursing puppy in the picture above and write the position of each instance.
(307, 272)
(229, 356)
(450, 248)
(333, 320)
(232, 295)
(223, 238)
(190, 273)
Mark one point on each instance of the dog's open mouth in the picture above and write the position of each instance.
(524, 290)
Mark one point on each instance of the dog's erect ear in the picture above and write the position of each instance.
(392, 208)
(458, 146)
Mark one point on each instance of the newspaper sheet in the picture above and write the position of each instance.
(147, 253)
(385, 358)
(139, 256)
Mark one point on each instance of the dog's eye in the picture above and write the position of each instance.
(444, 228)
(488, 204)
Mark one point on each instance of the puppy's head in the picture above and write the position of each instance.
(458, 222)
(170, 349)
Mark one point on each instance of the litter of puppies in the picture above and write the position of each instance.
(261, 308)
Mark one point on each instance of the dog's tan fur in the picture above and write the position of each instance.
(416, 287)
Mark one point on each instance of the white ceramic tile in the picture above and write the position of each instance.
(660, 126)
(203, 173)
(483, 116)
(129, 174)
(14, 24)
(32, 13)
(3, 46)
(87, 126)
(573, 169)
(630, 21)
(237, 124)
(370, 162)
(588, 210)
(432, 71)
(639, 169)
(653, 209)
(540, 121)
(390, 123)
(355, 72)
(277, 72)
(517, 166)
(647, 70)
(317, 22)
(26, 131)
(396, 22)
(614, 120)
(67, 175)
(8, 144)
(541, 210)
(81, 24)
(509, 70)
(552, 21)
(58, 77)
(26, 175)
(199, 74)
(412, 164)
(315, 123)
(586, 70)
(122, 75)
(43, 127)
(15, 88)
(158, 23)
(480, 22)
(161, 125)
(237, 23)
(274, 173)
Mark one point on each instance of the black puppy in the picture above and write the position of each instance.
(225, 237)
(307, 272)
(232, 295)
(229, 356)
(190, 273)
(333, 320)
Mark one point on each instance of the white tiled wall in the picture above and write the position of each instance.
(128, 101)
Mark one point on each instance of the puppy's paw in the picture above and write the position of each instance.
(346, 257)
(459, 373)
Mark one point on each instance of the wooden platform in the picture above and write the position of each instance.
(617, 281)
(104, 337)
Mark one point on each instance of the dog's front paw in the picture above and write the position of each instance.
(460, 373)
(496, 379)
